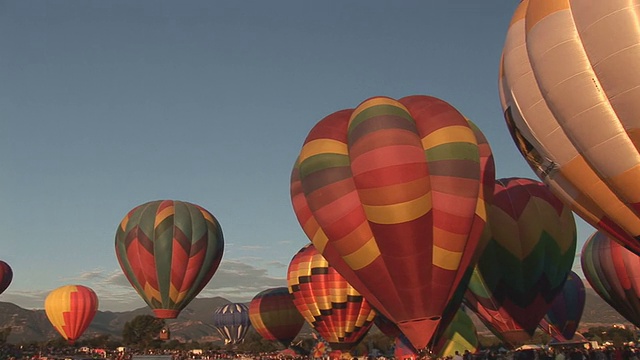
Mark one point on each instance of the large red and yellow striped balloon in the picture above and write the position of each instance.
(391, 194)
(326, 300)
(71, 309)
(169, 250)
(6, 275)
(570, 90)
(274, 315)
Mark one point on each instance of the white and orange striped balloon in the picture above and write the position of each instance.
(570, 90)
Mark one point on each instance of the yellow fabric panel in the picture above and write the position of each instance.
(448, 135)
(481, 208)
(256, 321)
(322, 146)
(394, 193)
(449, 241)
(353, 240)
(207, 216)
(627, 183)
(320, 240)
(445, 259)
(175, 295)
(151, 293)
(399, 213)
(163, 214)
(587, 182)
(56, 304)
(124, 222)
(539, 9)
(317, 261)
(364, 256)
(376, 102)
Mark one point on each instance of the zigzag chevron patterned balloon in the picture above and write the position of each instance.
(527, 260)
(169, 250)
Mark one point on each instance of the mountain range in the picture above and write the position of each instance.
(195, 321)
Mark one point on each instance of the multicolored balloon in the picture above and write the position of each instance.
(6, 275)
(169, 250)
(326, 300)
(71, 309)
(569, 89)
(232, 322)
(274, 315)
(391, 194)
(527, 261)
(566, 309)
(459, 336)
(613, 273)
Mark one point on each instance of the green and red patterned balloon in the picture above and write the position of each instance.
(527, 260)
(169, 250)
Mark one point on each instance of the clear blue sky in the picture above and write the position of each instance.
(105, 105)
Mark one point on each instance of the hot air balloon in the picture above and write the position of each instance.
(232, 322)
(527, 260)
(326, 300)
(71, 309)
(614, 273)
(6, 275)
(169, 250)
(391, 193)
(459, 336)
(274, 315)
(566, 309)
(569, 88)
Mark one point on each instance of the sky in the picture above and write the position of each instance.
(106, 105)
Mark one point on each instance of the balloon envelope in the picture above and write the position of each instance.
(459, 336)
(566, 310)
(613, 273)
(274, 315)
(71, 309)
(326, 300)
(232, 322)
(527, 260)
(6, 275)
(169, 250)
(391, 194)
(569, 88)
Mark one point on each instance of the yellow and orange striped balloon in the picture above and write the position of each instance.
(71, 309)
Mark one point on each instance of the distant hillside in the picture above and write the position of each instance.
(33, 325)
(194, 322)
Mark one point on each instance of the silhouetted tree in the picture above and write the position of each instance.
(141, 331)
(4, 334)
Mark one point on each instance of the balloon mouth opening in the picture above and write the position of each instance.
(166, 313)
